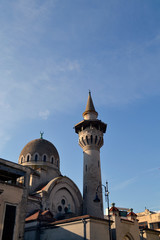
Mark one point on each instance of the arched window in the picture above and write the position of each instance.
(36, 157)
(28, 158)
(52, 160)
(44, 158)
(87, 139)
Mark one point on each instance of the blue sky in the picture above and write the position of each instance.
(52, 52)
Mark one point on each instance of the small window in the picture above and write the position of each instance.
(36, 158)
(87, 139)
(151, 225)
(60, 208)
(44, 158)
(28, 158)
(63, 201)
(91, 138)
(52, 160)
(98, 163)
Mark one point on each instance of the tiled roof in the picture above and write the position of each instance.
(131, 214)
(33, 217)
(113, 209)
(39, 215)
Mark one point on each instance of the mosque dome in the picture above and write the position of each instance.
(39, 152)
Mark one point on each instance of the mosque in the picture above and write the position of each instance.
(52, 203)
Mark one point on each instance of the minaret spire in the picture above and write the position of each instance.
(90, 112)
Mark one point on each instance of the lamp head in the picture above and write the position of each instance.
(96, 198)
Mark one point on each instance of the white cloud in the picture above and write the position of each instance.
(124, 184)
(44, 114)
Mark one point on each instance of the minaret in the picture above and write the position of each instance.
(90, 132)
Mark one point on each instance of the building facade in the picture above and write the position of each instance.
(14, 182)
(149, 219)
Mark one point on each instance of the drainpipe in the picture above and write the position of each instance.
(84, 222)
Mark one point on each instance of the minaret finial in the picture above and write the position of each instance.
(41, 135)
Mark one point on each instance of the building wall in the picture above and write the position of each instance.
(86, 229)
(151, 219)
(13, 197)
(150, 235)
(124, 227)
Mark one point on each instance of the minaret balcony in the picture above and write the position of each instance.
(91, 138)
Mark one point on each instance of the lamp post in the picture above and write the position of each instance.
(106, 200)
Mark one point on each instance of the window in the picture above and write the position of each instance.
(52, 160)
(151, 225)
(9, 222)
(44, 158)
(143, 225)
(28, 158)
(36, 158)
(87, 139)
(154, 225)
(59, 208)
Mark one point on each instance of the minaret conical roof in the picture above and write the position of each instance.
(90, 109)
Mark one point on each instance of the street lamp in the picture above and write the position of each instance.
(106, 200)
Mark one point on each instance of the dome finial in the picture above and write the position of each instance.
(41, 135)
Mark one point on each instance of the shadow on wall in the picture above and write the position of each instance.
(55, 232)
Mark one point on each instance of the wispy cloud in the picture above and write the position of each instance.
(44, 115)
(124, 184)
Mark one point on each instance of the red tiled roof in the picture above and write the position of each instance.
(131, 214)
(33, 217)
(113, 209)
(45, 215)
